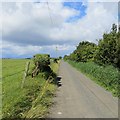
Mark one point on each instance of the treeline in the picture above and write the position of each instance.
(107, 52)
(101, 62)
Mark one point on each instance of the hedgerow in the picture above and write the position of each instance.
(107, 77)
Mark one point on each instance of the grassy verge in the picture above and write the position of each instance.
(107, 77)
(44, 100)
(26, 102)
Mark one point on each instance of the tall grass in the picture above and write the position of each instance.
(108, 76)
(17, 102)
(41, 104)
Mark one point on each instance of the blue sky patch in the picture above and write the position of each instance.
(77, 6)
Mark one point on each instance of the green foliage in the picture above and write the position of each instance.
(107, 77)
(107, 52)
(55, 60)
(11, 84)
(109, 49)
(84, 52)
(60, 57)
(66, 57)
(42, 64)
(16, 101)
(42, 59)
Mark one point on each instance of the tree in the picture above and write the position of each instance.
(107, 52)
(85, 51)
(109, 48)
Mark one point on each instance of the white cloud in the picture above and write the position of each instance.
(27, 27)
(14, 50)
(91, 27)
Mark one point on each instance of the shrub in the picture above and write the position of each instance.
(42, 59)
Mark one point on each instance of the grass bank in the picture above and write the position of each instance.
(107, 77)
(34, 99)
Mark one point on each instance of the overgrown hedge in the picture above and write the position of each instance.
(108, 77)
(42, 65)
(42, 59)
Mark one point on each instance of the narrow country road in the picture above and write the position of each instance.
(80, 97)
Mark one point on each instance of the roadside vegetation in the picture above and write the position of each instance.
(107, 77)
(100, 62)
(34, 99)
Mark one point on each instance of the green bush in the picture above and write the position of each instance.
(42, 65)
(42, 59)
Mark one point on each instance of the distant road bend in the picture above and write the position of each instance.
(80, 97)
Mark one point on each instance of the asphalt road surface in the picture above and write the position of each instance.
(80, 97)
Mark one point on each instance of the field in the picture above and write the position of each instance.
(0, 88)
(107, 77)
(24, 102)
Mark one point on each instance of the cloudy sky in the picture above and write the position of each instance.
(34, 27)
